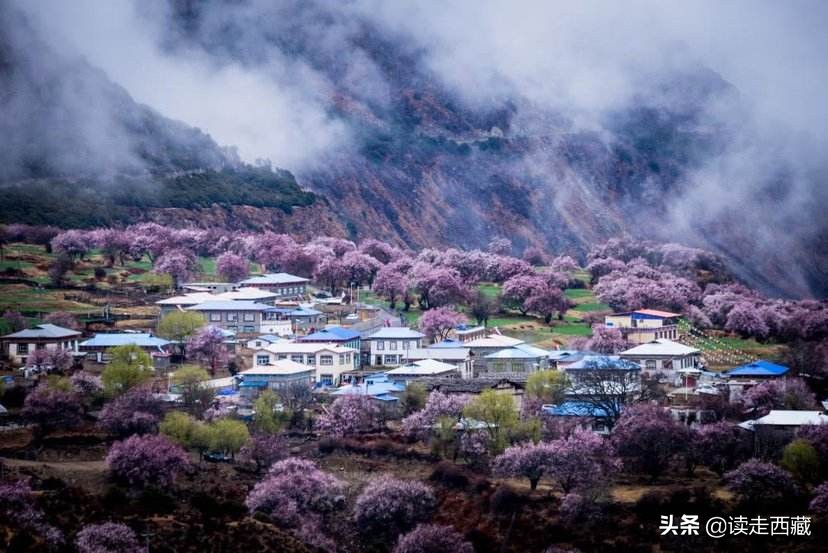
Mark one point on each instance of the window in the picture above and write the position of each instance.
(40, 346)
(262, 359)
(380, 345)
(393, 344)
(342, 359)
(651, 364)
(215, 317)
(281, 356)
(249, 329)
(667, 364)
(22, 349)
(258, 344)
(297, 358)
(390, 359)
(232, 317)
(407, 344)
(249, 317)
(326, 379)
(326, 359)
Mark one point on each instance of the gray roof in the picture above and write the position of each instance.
(520, 351)
(395, 332)
(229, 305)
(140, 339)
(44, 332)
(274, 278)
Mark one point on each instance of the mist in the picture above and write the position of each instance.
(270, 78)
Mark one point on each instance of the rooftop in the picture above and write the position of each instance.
(280, 367)
(306, 347)
(141, 339)
(792, 418)
(229, 305)
(661, 347)
(424, 367)
(335, 334)
(493, 341)
(395, 332)
(520, 351)
(604, 362)
(44, 331)
(759, 368)
(274, 278)
(574, 409)
(453, 353)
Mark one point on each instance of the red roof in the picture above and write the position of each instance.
(657, 313)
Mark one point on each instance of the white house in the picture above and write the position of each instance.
(18, 345)
(663, 355)
(329, 361)
(283, 284)
(387, 346)
(460, 357)
(264, 340)
(280, 374)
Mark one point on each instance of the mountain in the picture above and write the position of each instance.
(424, 165)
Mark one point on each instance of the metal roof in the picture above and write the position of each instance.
(453, 353)
(229, 305)
(424, 367)
(493, 341)
(520, 351)
(574, 409)
(331, 335)
(397, 332)
(603, 362)
(792, 418)
(141, 339)
(278, 368)
(274, 278)
(44, 331)
(661, 347)
(759, 368)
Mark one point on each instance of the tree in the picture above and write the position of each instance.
(62, 318)
(381, 251)
(547, 386)
(232, 267)
(266, 418)
(605, 340)
(760, 484)
(390, 284)
(294, 489)
(500, 246)
(481, 308)
(196, 396)
(114, 244)
(439, 322)
(721, 446)
(360, 268)
(14, 320)
(433, 538)
(58, 360)
(819, 502)
(439, 286)
(179, 427)
(179, 263)
(73, 243)
(228, 436)
(582, 461)
(19, 509)
(527, 460)
(266, 449)
(207, 347)
(51, 408)
(86, 385)
(389, 506)
(413, 398)
(546, 302)
(563, 264)
(129, 366)
(107, 537)
(179, 326)
(534, 255)
(744, 319)
(438, 405)
(498, 413)
(349, 415)
(608, 386)
(136, 411)
(518, 289)
(332, 273)
(801, 459)
(647, 439)
(792, 393)
(146, 461)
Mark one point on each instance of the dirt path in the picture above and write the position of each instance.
(90, 475)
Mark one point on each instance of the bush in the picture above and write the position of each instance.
(146, 461)
(433, 538)
(389, 506)
(760, 484)
(109, 537)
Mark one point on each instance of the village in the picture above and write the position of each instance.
(494, 364)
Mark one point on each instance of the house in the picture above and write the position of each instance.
(191, 299)
(416, 370)
(336, 335)
(775, 430)
(579, 415)
(464, 333)
(606, 363)
(183, 301)
(328, 360)
(645, 325)
(18, 345)
(513, 386)
(521, 359)
(211, 287)
(455, 355)
(302, 319)
(283, 284)
(280, 374)
(561, 358)
(663, 355)
(244, 317)
(387, 345)
(744, 377)
(264, 340)
(100, 344)
(378, 387)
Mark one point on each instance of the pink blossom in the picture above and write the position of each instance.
(389, 506)
(143, 461)
(433, 538)
(232, 267)
(438, 323)
(108, 537)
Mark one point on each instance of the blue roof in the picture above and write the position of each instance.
(141, 339)
(574, 409)
(331, 335)
(253, 384)
(303, 312)
(604, 362)
(759, 368)
(377, 386)
(448, 344)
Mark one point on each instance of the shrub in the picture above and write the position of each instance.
(145, 461)
(135, 412)
(51, 408)
(389, 506)
(433, 538)
(801, 459)
(760, 484)
(108, 537)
